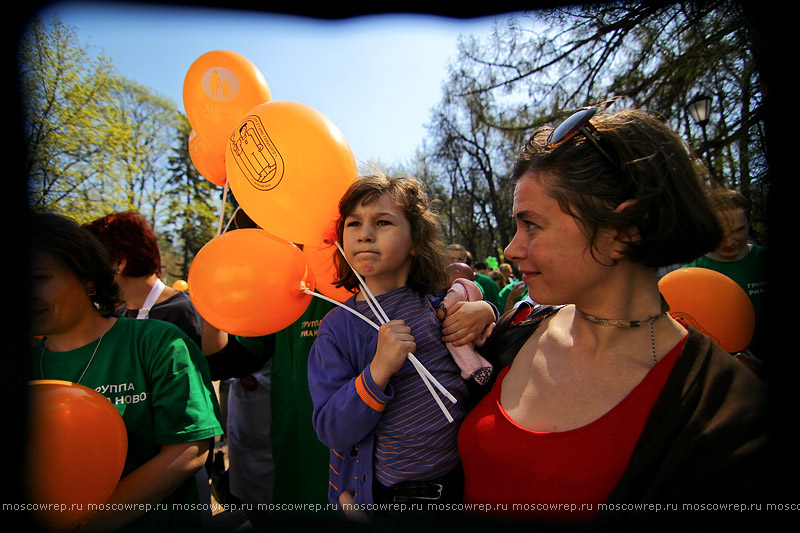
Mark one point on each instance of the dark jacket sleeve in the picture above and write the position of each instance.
(235, 360)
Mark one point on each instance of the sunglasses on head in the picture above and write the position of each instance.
(578, 122)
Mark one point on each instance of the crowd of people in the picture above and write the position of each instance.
(568, 383)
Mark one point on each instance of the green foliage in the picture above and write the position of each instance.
(67, 93)
(146, 128)
(99, 143)
(194, 205)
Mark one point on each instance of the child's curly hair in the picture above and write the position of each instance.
(427, 274)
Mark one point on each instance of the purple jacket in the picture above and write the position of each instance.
(348, 405)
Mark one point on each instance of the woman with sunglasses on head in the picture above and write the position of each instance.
(150, 370)
(605, 399)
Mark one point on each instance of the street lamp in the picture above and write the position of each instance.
(700, 109)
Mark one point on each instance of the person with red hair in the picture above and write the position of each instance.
(133, 249)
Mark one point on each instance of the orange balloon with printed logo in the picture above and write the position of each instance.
(712, 303)
(219, 88)
(250, 283)
(288, 165)
(76, 451)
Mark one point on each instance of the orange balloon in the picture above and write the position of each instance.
(180, 285)
(288, 165)
(209, 165)
(249, 283)
(712, 303)
(219, 88)
(77, 450)
(320, 259)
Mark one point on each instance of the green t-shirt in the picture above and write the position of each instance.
(159, 382)
(505, 292)
(488, 288)
(750, 273)
(301, 460)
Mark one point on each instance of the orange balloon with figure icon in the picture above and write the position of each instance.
(712, 303)
(76, 451)
(288, 165)
(219, 88)
(249, 283)
(209, 165)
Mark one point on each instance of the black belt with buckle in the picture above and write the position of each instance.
(415, 490)
(447, 487)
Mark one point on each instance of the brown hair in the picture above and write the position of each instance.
(427, 272)
(80, 251)
(724, 199)
(671, 209)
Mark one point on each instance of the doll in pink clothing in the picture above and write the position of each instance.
(463, 288)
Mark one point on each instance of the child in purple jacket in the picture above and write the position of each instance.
(389, 440)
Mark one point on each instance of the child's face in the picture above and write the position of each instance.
(377, 242)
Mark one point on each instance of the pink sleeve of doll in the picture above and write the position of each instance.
(472, 365)
(470, 290)
(456, 293)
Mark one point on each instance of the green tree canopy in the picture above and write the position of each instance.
(66, 93)
(99, 143)
(194, 207)
(535, 68)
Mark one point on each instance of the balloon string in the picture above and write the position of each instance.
(426, 376)
(222, 208)
(230, 220)
(378, 311)
(384, 318)
(363, 284)
(346, 308)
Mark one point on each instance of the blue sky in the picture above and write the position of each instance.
(375, 77)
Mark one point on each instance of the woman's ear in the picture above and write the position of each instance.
(624, 236)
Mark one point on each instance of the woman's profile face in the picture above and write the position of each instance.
(550, 247)
(59, 298)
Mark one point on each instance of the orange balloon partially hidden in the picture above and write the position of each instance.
(219, 88)
(76, 453)
(320, 259)
(249, 283)
(211, 166)
(712, 303)
(288, 165)
(180, 285)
